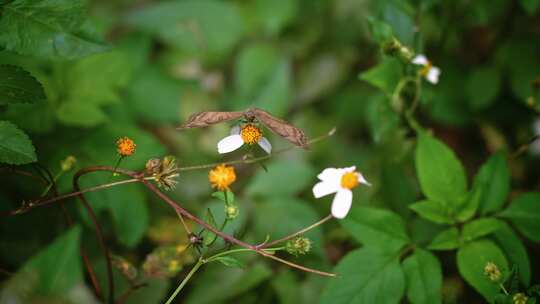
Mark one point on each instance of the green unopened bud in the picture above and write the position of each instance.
(519, 298)
(68, 163)
(492, 272)
(298, 245)
(231, 211)
(394, 48)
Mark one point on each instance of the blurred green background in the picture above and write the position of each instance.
(140, 68)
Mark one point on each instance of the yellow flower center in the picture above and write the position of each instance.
(425, 70)
(221, 177)
(125, 146)
(349, 180)
(250, 134)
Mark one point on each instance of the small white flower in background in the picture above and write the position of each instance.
(430, 72)
(247, 134)
(535, 145)
(340, 181)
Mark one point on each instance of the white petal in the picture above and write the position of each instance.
(433, 75)
(342, 203)
(350, 169)
(362, 180)
(230, 143)
(331, 175)
(265, 145)
(235, 130)
(324, 188)
(420, 60)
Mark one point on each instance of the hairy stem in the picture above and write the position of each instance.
(199, 263)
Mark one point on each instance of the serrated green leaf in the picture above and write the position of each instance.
(19, 86)
(471, 260)
(493, 180)
(479, 228)
(446, 240)
(230, 261)
(377, 228)
(15, 146)
(384, 76)
(441, 175)
(208, 236)
(366, 276)
(58, 266)
(424, 277)
(434, 211)
(51, 29)
(524, 212)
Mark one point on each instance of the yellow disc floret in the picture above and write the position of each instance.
(251, 134)
(349, 180)
(125, 146)
(425, 70)
(221, 177)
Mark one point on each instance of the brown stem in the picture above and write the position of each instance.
(99, 233)
(124, 296)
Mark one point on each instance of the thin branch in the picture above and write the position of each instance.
(99, 233)
(299, 232)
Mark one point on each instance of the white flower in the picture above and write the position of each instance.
(340, 181)
(247, 134)
(430, 72)
(535, 145)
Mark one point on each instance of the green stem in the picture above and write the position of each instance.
(503, 289)
(200, 262)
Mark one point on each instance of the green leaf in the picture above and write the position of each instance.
(366, 276)
(125, 204)
(274, 15)
(262, 78)
(471, 260)
(479, 228)
(515, 251)
(483, 86)
(154, 96)
(446, 240)
(208, 236)
(15, 146)
(380, 30)
(434, 211)
(284, 177)
(376, 228)
(58, 266)
(524, 212)
(230, 261)
(530, 6)
(195, 26)
(424, 277)
(441, 175)
(299, 215)
(82, 114)
(51, 29)
(19, 86)
(232, 283)
(91, 83)
(493, 181)
(287, 287)
(384, 76)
